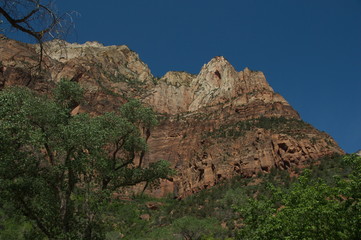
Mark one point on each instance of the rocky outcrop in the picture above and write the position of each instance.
(214, 125)
(117, 61)
(208, 150)
(218, 83)
(172, 93)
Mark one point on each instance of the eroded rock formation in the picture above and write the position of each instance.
(214, 125)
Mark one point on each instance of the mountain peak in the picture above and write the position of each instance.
(217, 63)
(215, 83)
(218, 59)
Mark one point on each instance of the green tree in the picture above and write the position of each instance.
(192, 228)
(59, 169)
(310, 209)
(350, 192)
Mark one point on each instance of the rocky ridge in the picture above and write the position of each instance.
(214, 125)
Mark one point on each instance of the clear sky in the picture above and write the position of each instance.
(309, 50)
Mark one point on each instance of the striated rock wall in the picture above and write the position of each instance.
(207, 149)
(214, 125)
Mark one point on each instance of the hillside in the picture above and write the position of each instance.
(213, 126)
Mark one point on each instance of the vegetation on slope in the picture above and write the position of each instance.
(284, 125)
(54, 163)
(322, 203)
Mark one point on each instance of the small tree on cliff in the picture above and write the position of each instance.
(59, 169)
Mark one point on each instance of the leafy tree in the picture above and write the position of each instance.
(59, 169)
(350, 192)
(12, 226)
(310, 209)
(68, 94)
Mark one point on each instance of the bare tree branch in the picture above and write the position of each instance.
(36, 18)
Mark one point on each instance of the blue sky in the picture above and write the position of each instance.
(309, 50)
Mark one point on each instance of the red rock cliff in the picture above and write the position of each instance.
(214, 125)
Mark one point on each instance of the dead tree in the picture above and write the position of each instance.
(37, 18)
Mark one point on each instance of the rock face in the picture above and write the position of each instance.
(213, 126)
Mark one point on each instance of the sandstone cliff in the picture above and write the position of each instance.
(213, 125)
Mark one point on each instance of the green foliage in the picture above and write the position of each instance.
(306, 212)
(125, 220)
(274, 206)
(134, 112)
(277, 124)
(12, 227)
(309, 209)
(350, 191)
(194, 228)
(224, 201)
(60, 170)
(58, 173)
(68, 94)
(241, 203)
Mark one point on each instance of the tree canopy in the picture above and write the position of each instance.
(310, 209)
(58, 169)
